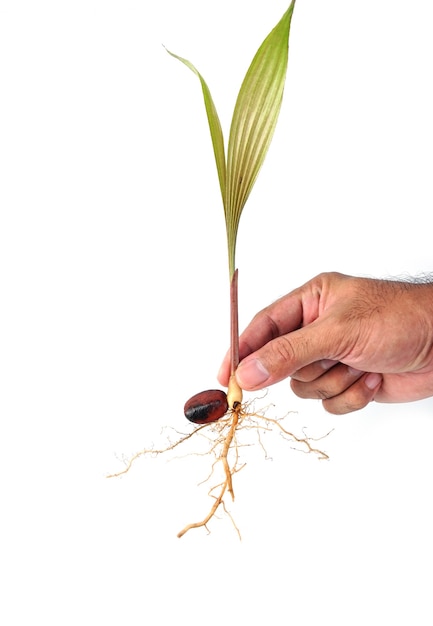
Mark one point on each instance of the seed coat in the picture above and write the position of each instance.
(206, 407)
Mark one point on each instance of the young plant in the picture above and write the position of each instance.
(222, 417)
(254, 118)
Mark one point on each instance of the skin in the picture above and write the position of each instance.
(344, 340)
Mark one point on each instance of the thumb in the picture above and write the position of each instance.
(283, 356)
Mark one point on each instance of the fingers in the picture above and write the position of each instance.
(342, 389)
(281, 317)
(327, 385)
(271, 335)
(291, 353)
(299, 351)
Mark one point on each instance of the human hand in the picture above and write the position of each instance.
(344, 340)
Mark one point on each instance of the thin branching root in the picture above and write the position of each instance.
(223, 441)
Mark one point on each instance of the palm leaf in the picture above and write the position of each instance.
(254, 119)
(253, 123)
(214, 126)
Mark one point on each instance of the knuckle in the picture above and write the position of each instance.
(311, 391)
(283, 350)
(353, 399)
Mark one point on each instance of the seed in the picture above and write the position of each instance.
(206, 406)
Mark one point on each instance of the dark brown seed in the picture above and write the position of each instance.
(206, 406)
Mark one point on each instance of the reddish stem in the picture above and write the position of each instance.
(234, 324)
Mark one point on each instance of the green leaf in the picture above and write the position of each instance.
(214, 126)
(254, 119)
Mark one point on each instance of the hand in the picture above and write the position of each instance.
(344, 340)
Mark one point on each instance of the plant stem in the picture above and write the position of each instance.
(234, 392)
(234, 324)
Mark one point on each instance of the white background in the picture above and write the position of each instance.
(114, 310)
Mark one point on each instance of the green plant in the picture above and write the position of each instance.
(221, 417)
(254, 119)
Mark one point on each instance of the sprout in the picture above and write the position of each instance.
(221, 418)
(254, 118)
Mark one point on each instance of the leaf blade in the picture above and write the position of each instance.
(214, 125)
(253, 123)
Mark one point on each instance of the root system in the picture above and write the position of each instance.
(223, 442)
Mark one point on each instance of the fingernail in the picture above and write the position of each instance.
(327, 363)
(354, 372)
(373, 380)
(251, 373)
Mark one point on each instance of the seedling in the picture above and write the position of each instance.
(221, 416)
